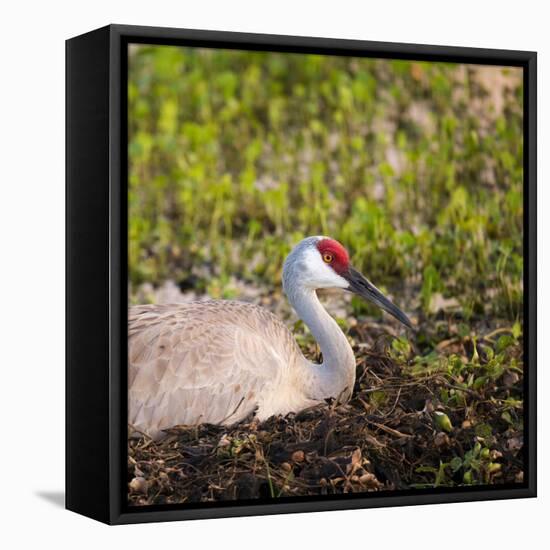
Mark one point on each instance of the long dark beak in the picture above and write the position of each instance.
(364, 288)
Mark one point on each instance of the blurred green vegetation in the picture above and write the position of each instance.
(416, 167)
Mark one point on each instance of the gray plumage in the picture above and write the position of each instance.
(218, 361)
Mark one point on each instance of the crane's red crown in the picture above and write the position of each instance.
(334, 254)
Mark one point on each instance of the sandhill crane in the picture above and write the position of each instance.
(218, 361)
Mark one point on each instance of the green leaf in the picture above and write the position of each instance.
(483, 430)
(442, 421)
(468, 477)
(504, 342)
(456, 464)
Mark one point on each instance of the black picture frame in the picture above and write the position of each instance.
(96, 270)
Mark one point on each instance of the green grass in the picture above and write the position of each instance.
(235, 156)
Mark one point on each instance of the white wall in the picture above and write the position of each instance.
(32, 271)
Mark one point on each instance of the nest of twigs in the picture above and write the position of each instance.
(396, 433)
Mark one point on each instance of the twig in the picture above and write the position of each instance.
(382, 426)
(394, 404)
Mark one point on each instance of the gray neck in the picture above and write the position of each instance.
(336, 375)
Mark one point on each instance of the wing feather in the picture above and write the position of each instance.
(201, 362)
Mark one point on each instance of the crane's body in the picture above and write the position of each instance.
(218, 361)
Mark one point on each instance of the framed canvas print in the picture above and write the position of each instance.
(300, 274)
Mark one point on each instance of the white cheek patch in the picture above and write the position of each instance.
(320, 274)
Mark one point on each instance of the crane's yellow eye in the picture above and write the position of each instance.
(327, 258)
